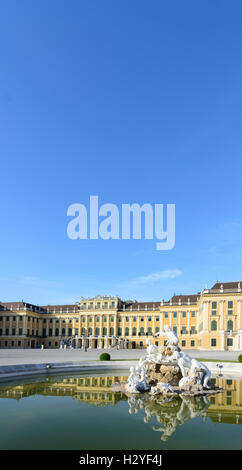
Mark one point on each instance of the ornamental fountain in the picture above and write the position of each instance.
(168, 371)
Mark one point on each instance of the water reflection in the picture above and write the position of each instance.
(162, 415)
(169, 412)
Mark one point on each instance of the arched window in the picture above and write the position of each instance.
(57, 332)
(111, 318)
(90, 331)
(213, 325)
(157, 329)
(142, 331)
(104, 319)
(97, 331)
(126, 331)
(119, 331)
(111, 331)
(63, 332)
(105, 331)
(149, 331)
(134, 331)
(83, 331)
(97, 319)
(230, 325)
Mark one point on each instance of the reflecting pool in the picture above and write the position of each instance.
(77, 411)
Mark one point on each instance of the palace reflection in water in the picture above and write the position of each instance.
(163, 415)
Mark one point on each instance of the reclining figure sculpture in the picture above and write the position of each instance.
(193, 371)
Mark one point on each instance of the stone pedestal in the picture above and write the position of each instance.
(166, 373)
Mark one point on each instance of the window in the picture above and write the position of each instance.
(149, 331)
(142, 331)
(90, 319)
(214, 312)
(213, 342)
(126, 318)
(83, 319)
(13, 331)
(63, 332)
(119, 331)
(97, 331)
(183, 343)
(50, 332)
(111, 319)
(105, 331)
(149, 318)
(157, 319)
(111, 331)
(230, 325)
(174, 329)
(113, 304)
(166, 314)
(142, 319)
(69, 331)
(126, 331)
(229, 341)
(134, 331)
(229, 382)
(134, 318)
(193, 314)
(104, 319)
(157, 329)
(97, 319)
(214, 305)
(174, 314)
(230, 312)
(192, 343)
(57, 332)
(184, 314)
(89, 331)
(1, 332)
(230, 304)
(213, 325)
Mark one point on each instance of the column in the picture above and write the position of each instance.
(239, 315)
(221, 319)
(205, 316)
(161, 322)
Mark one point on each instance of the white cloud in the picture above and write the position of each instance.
(155, 277)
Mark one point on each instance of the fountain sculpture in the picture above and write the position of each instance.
(167, 370)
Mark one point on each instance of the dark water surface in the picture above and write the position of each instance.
(79, 412)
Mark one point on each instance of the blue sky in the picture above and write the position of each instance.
(133, 101)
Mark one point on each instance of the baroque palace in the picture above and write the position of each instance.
(211, 319)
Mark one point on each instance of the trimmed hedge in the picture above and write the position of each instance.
(240, 358)
(104, 357)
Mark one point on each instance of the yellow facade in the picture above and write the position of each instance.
(210, 320)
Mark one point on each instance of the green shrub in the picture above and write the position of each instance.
(240, 358)
(104, 357)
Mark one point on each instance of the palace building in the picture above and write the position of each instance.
(208, 320)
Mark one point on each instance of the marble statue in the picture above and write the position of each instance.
(193, 372)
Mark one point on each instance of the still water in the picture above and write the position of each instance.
(80, 412)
